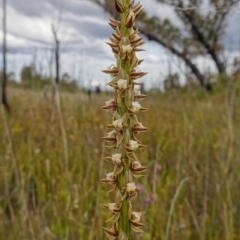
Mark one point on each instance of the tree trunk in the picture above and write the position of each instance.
(4, 72)
(56, 54)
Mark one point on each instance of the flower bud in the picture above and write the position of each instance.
(119, 6)
(137, 9)
(130, 19)
(114, 23)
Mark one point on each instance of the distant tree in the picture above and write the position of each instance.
(27, 75)
(67, 83)
(65, 77)
(171, 82)
(236, 66)
(11, 78)
(202, 31)
(57, 42)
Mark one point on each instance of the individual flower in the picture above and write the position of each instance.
(138, 95)
(117, 158)
(112, 233)
(122, 84)
(136, 41)
(113, 207)
(133, 145)
(118, 123)
(136, 217)
(110, 178)
(127, 52)
(111, 136)
(135, 107)
(127, 48)
(119, 6)
(114, 23)
(111, 104)
(113, 133)
(138, 127)
(112, 70)
(130, 19)
(136, 167)
(131, 188)
(137, 9)
(137, 73)
(135, 221)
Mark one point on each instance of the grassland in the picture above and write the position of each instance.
(51, 163)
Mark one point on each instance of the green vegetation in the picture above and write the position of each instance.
(192, 134)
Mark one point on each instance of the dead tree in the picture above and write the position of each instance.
(56, 53)
(4, 50)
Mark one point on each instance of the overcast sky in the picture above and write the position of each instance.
(83, 31)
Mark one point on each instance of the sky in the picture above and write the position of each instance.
(83, 29)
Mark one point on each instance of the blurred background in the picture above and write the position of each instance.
(52, 88)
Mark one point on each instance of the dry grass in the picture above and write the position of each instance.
(191, 135)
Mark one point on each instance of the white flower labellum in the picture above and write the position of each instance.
(110, 102)
(117, 158)
(127, 48)
(118, 123)
(133, 145)
(136, 216)
(131, 187)
(122, 84)
(137, 93)
(112, 133)
(112, 206)
(135, 107)
(109, 176)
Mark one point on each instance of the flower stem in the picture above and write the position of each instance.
(125, 42)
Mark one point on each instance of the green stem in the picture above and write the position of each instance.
(124, 224)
